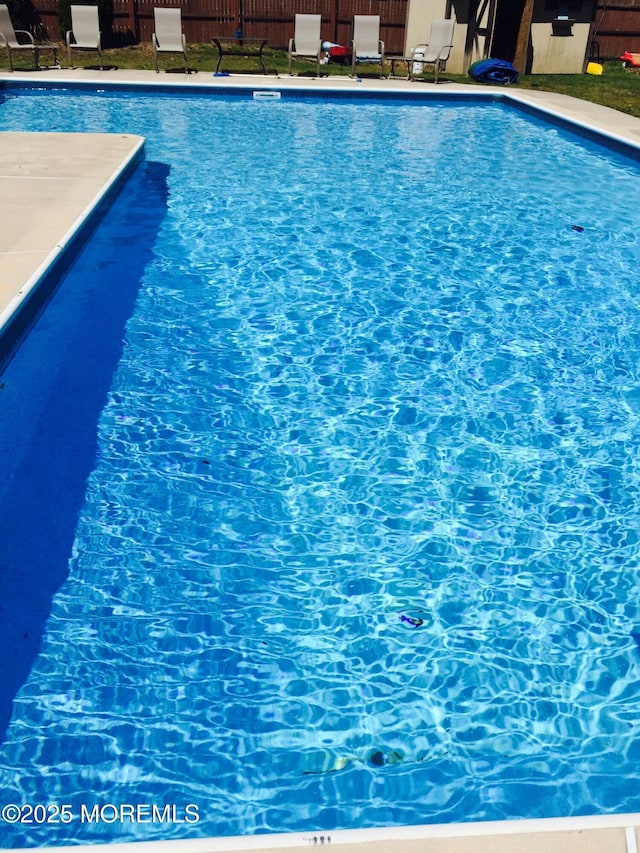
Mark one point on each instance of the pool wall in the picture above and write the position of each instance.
(80, 345)
(56, 189)
(559, 110)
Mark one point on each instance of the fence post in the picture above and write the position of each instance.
(524, 36)
(133, 24)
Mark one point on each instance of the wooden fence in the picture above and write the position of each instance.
(616, 28)
(132, 20)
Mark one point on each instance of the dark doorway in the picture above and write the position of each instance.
(505, 33)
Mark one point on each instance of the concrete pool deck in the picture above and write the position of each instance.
(48, 186)
(606, 834)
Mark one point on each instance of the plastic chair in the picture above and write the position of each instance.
(366, 45)
(9, 38)
(168, 36)
(85, 31)
(437, 51)
(306, 42)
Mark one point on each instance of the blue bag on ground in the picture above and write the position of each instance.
(493, 71)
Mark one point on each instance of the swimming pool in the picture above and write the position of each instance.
(335, 423)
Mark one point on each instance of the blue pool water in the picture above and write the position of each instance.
(321, 476)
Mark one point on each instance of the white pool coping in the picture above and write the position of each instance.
(51, 184)
(605, 120)
(591, 834)
(598, 834)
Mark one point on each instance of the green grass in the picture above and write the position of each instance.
(202, 58)
(618, 87)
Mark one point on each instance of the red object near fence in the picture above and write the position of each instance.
(632, 59)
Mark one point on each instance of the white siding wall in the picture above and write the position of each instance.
(419, 17)
(551, 54)
(558, 54)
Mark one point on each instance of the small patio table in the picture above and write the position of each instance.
(247, 47)
(409, 61)
(40, 48)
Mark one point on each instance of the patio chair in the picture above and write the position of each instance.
(168, 36)
(306, 42)
(9, 38)
(85, 31)
(436, 52)
(366, 45)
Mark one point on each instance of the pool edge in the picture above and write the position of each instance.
(373, 838)
(602, 833)
(15, 315)
(620, 129)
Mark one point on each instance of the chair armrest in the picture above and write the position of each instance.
(184, 42)
(3, 41)
(291, 43)
(24, 33)
(68, 37)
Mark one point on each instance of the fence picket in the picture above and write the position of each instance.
(132, 20)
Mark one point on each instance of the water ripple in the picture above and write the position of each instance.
(360, 544)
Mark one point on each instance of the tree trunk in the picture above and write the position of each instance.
(524, 34)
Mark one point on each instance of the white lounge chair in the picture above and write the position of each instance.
(85, 31)
(306, 43)
(168, 36)
(366, 45)
(436, 52)
(9, 38)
